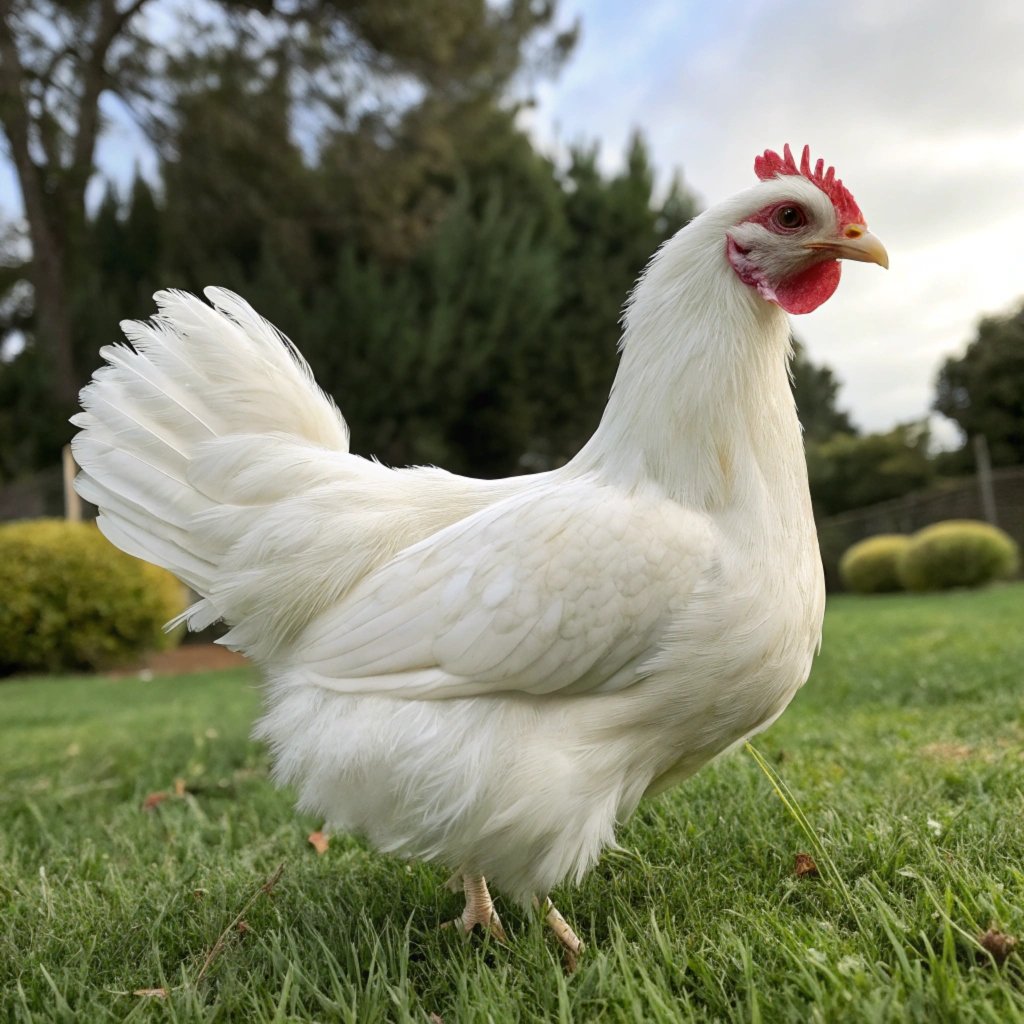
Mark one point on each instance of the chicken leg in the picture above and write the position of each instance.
(479, 909)
(562, 929)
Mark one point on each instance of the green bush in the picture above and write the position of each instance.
(872, 566)
(70, 600)
(957, 553)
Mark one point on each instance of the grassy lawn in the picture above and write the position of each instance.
(904, 752)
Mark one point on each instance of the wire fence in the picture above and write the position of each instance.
(40, 495)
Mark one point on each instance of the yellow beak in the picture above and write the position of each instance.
(858, 244)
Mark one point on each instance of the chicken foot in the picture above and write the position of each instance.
(479, 909)
(562, 929)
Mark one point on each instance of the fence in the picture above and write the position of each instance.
(41, 494)
(960, 499)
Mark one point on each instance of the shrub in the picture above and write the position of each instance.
(70, 600)
(957, 553)
(872, 566)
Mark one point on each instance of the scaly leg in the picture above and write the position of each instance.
(479, 909)
(562, 929)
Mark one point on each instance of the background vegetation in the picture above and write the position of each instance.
(943, 556)
(71, 600)
(872, 566)
(359, 172)
(957, 553)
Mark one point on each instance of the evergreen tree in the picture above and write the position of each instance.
(427, 361)
(815, 389)
(613, 225)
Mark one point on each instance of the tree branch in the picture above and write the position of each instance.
(45, 76)
(14, 114)
(94, 74)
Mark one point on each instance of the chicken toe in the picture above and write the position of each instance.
(479, 910)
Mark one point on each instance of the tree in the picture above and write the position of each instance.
(343, 60)
(612, 226)
(982, 391)
(468, 319)
(234, 186)
(56, 59)
(428, 361)
(848, 472)
(815, 389)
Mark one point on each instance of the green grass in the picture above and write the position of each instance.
(904, 753)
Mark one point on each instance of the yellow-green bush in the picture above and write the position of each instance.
(70, 600)
(957, 553)
(872, 566)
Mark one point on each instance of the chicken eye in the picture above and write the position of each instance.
(789, 217)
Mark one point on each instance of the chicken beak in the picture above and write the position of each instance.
(857, 244)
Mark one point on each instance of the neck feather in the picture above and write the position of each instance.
(701, 403)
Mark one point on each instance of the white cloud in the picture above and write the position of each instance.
(920, 106)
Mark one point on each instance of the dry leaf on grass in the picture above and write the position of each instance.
(159, 993)
(998, 944)
(178, 790)
(804, 866)
(319, 842)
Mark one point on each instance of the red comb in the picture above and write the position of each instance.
(770, 164)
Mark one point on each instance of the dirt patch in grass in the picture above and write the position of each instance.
(184, 659)
(949, 751)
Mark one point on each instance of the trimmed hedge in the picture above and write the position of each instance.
(872, 566)
(70, 600)
(958, 553)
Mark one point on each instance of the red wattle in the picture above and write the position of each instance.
(807, 290)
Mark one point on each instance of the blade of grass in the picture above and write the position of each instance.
(792, 805)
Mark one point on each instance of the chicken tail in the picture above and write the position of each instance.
(207, 394)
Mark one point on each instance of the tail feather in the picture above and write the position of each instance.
(114, 423)
(209, 450)
(197, 378)
(134, 377)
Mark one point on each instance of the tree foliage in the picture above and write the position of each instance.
(455, 290)
(357, 172)
(816, 391)
(982, 391)
(848, 471)
(612, 225)
(354, 68)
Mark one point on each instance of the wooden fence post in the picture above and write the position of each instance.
(72, 502)
(984, 466)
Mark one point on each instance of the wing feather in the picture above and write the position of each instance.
(556, 589)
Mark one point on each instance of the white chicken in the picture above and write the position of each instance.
(492, 674)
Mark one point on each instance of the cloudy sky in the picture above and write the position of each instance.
(919, 104)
